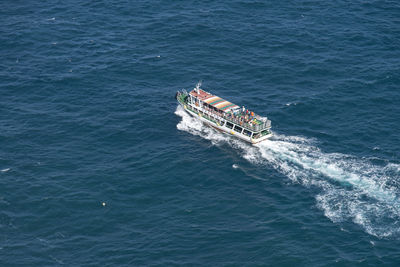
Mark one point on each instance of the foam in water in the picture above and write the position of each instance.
(350, 188)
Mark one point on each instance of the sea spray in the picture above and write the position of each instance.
(350, 188)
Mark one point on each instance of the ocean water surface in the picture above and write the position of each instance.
(100, 167)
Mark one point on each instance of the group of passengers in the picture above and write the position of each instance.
(243, 116)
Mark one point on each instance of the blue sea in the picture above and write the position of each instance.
(100, 167)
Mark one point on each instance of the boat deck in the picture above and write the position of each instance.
(247, 119)
(213, 100)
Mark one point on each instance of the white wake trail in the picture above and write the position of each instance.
(350, 188)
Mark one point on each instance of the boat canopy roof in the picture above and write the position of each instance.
(213, 100)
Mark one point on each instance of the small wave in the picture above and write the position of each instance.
(149, 57)
(350, 188)
(291, 104)
(5, 170)
(393, 166)
(235, 166)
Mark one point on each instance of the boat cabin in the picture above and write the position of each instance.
(229, 115)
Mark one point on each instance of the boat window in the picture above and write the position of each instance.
(245, 132)
(238, 129)
(229, 125)
(256, 135)
(265, 132)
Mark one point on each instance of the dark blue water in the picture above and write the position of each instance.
(98, 166)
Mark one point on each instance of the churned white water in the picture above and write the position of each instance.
(350, 188)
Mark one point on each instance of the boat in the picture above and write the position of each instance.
(225, 116)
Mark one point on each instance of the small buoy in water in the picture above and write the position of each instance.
(104, 204)
(235, 166)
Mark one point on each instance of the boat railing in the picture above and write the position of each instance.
(255, 127)
(215, 116)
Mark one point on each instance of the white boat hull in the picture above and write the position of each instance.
(224, 129)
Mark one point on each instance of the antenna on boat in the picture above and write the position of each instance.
(198, 87)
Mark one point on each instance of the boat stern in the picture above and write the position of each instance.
(261, 139)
